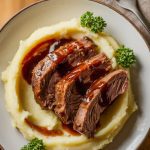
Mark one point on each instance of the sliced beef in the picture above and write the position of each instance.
(98, 97)
(55, 65)
(71, 88)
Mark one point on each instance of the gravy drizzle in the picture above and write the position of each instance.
(54, 132)
(37, 53)
(44, 130)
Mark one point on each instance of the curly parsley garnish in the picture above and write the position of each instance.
(34, 144)
(95, 24)
(125, 57)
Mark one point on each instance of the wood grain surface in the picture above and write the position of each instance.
(9, 7)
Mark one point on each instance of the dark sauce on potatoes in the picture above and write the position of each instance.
(54, 132)
(38, 53)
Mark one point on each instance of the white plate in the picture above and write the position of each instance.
(53, 11)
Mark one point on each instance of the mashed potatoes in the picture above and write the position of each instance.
(21, 104)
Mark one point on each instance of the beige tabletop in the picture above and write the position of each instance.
(9, 7)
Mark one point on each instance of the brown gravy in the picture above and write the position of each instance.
(55, 132)
(44, 130)
(38, 53)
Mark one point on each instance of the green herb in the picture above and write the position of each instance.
(125, 57)
(34, 144)
(95, 24)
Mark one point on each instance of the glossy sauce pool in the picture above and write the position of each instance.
(38, 53)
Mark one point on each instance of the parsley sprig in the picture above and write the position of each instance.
(125, 56)
(95, 24)
(34, 144)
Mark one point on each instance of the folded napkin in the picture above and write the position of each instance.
(144, 6)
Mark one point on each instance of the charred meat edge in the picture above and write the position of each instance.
(98, 97)
(67, 94)
(45, 74)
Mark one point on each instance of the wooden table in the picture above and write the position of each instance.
(10, 7)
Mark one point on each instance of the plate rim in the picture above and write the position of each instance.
(98, 2)
(126, 18)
